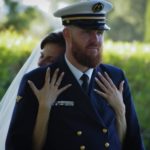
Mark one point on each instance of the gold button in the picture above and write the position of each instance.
(79, 133)
(107, 144)
(82, 147)
(104, 130)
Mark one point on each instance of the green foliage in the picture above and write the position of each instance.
(147, 22)
(123, 27)
(134, 59)
(129, 20)
(126, 19)
(22, 18)
(14, 49)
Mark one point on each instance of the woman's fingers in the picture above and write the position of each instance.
(64, 88)
(51, 84)
(54, 77)
(102, 86)
(121, 86)
(109, 80)
(107, 85)
(33, 87)
(104, 80)
(58, 82)
(47, 76)
(101, 93)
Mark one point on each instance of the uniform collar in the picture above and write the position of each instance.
(76, 72)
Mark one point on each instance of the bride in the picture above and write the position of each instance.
(9, 99)
(52, 46)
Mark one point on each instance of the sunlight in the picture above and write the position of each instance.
(43, 5)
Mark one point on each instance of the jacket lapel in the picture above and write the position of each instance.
(102, 108)
(86, 103)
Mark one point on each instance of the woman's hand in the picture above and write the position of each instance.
(110, 92)
(46, 97)
(50, 91)
(114, 97)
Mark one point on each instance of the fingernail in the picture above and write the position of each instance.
(96, 78)
(29, 81)
(95, 90)
(99, 73)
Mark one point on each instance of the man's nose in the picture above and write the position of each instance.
(95, 37)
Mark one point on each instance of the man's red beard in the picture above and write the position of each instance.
(86, 59)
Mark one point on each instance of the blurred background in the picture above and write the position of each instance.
(23, 23)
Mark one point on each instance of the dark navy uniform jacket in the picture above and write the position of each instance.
(77, 121)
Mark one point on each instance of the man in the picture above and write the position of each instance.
(80, 117)
(52, 47)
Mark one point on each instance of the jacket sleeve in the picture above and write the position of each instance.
(22, 123)
(133, 138)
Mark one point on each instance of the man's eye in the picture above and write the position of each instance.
(87, 31)
(100, 32)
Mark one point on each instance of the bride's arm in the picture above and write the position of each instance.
(114, 97)
(46, 97)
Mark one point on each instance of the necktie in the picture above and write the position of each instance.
(84, 84)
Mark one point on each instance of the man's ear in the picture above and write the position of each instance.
(66, 33)
(67, 36)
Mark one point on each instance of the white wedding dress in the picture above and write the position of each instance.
(8, 101)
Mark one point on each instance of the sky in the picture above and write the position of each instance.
(44, 5)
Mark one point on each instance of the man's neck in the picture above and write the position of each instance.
(77, 65)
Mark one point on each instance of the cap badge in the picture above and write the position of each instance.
(67, 21)
(97, 7)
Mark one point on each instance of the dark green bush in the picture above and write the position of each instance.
(135, 61)
(14, 50)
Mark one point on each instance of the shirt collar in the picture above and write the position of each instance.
(76, 72)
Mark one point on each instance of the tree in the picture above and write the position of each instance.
(147, 22)
(127, 20)
(21, 17)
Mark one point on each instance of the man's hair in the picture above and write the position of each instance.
(56, 38)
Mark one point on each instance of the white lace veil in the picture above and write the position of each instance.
(8, 101)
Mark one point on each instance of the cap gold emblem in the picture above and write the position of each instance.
(97, 7)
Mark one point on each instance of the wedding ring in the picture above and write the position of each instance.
(56, 84)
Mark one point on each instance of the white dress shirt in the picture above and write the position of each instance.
(77, 73)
